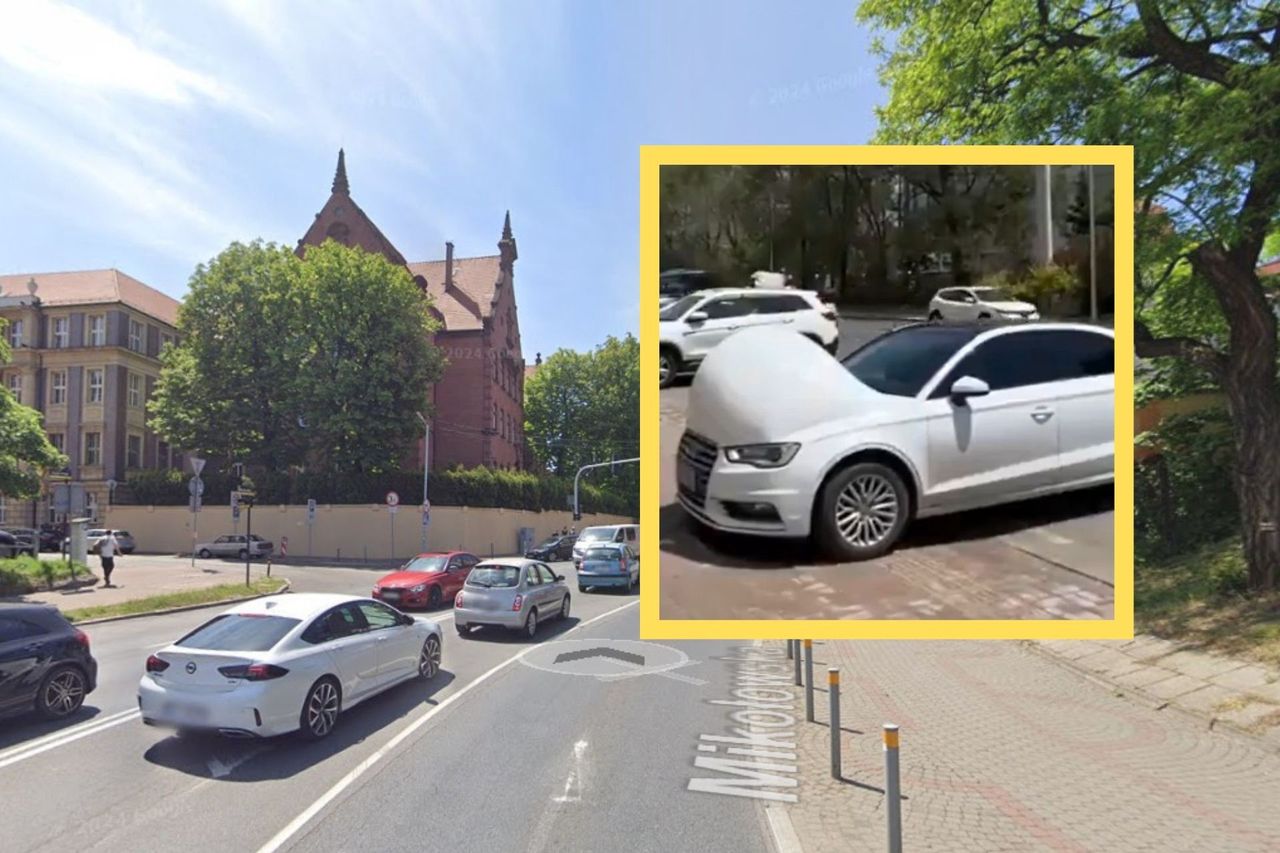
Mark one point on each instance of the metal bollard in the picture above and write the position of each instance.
(833, 686)
(892, 788)
(799, 679)
(808, 680)
(789, 655)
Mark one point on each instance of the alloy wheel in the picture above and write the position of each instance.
(531, 624)
(665, 367)
(866, 510)
(564, 607)
(429, 660)
(322, 709)
(64, 693)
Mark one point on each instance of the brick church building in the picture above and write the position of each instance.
(479, 402)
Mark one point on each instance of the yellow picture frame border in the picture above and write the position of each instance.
(652, 159)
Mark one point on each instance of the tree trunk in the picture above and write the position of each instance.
(1249, 380)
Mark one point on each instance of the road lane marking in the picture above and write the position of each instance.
(283, 836)
(61, 733)
(785, 839)
(22, 755)
(573, 785)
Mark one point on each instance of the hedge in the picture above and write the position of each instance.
(478, 487)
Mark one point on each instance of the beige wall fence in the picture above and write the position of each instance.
(348, 531)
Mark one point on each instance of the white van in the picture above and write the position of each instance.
(625, 533)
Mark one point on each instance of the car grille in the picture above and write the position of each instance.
(696, 455)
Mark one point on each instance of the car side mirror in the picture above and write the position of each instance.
(406, 620)
(559, 577)
(697, 318)
(968, 386)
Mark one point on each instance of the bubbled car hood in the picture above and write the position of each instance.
(765, 385)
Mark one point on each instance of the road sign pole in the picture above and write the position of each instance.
(248, 542)
(391, 514)
(808, 680)
(892, 791)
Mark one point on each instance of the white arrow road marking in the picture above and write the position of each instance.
(64, 738)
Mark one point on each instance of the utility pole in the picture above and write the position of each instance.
(577, 508)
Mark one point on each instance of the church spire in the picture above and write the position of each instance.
(507, 245)
(506, 227)
(340, 176)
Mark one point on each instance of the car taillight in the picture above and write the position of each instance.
(254, 671)
(82, 638)
(457, 602)
(155, 664)
(622, 564)
(518, 603)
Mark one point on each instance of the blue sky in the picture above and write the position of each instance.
(148, 135)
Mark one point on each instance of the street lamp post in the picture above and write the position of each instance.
(426, 468)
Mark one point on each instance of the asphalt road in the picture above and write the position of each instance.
(1050, 558)
(491, 754)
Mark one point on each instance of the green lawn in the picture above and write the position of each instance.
(1194, 599)
(21, 575)
(208, 595)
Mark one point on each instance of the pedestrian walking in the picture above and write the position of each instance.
(107, 550)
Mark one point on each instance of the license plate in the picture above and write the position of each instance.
(391, 593)
(686, 477)
(186, 713)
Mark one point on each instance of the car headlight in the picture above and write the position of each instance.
(762, 455)
(420, 587)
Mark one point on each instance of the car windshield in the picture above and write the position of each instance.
(596, 534)
(901, 362)
(426, 564)
(239, 632)
(603, 554)
(256, 538)
(494, 576)
(679, 308)
(993, 294)
(549, 541)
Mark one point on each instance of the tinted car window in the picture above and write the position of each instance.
(783, 304)
(14, 628)
(679, 308)
(239, 632)
(901, 362)
(1085, 354)
(1019, 359)
(730, 306)
(609, 553)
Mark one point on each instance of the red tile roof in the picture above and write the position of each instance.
(466, 304)
(94, 287)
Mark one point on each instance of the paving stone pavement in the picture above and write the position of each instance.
(1002, 748)
(1221, 689)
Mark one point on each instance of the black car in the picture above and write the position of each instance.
(9, 546)
(558, 546)
(51, 537)
(45, 664)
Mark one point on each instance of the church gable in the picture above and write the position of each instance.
(341, 219)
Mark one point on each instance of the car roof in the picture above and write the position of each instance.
(521, 562)
(440, 554)
(16, 608)
(295, 605)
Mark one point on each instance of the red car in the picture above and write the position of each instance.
(427, 580)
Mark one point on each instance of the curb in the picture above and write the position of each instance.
(1212, 723)
(896, 318)
(184, 608)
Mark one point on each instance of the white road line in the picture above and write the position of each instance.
(359, 770)
(785, 839)
(61, 733)
(22, 755)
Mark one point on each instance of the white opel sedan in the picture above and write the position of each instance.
(783, 440)
(285, 663)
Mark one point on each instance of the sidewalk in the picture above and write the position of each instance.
(137, 576)
(1003, 748)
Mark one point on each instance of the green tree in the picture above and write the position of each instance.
(1195, 88)
(25, 451)
(289, 361)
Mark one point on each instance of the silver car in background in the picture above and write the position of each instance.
(233, 545)
(510, 593)
(94, 537)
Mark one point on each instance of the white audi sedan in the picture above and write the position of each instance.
(285, 663)
(783, 440)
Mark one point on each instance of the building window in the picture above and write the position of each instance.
(135, 391)
(95, 331)
(15, 333)
(133, 453)
(92, 448)
(58, 388)
(61, 332)
(135, 336)
(59, 441)
(14, 383)
(494, 425)
(93, 394)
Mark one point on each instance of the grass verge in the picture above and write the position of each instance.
(1197, 599)
(168, 601)
(22, 575)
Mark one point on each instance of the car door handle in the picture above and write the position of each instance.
(1041, 414)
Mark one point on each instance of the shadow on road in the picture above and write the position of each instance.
(17, 730)
(685, 538)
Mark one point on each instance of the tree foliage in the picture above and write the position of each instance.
(25, 451)
(284, 361)
(582, 408)
(1194, 87)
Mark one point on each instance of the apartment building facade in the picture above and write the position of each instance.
(85, 353)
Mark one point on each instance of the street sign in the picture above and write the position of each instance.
(235, 512)
(393, 508)
(235, 500)
(194, 503)
(195, 487)
(311, 511)
(62, 498)
(197, 465)
(393, 499)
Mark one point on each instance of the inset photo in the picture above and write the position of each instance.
(887, 391)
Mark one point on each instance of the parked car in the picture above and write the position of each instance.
(235, 545)
(698, 323)
(26, 540)
(9, 546)
(979, 303)
(45, 662)
(613, 564)
(926, 420)
(557, 546)
(427, 580)
(628, 534)
(676, 284)
(285, 663)
(51, 537)
(94, 537)
(515, 594)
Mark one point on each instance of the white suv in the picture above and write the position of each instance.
(979, 303)
(691, 327)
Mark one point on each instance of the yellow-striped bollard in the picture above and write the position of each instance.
(892, 788)
(799, 677)
(833, 695)
(808, 680)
